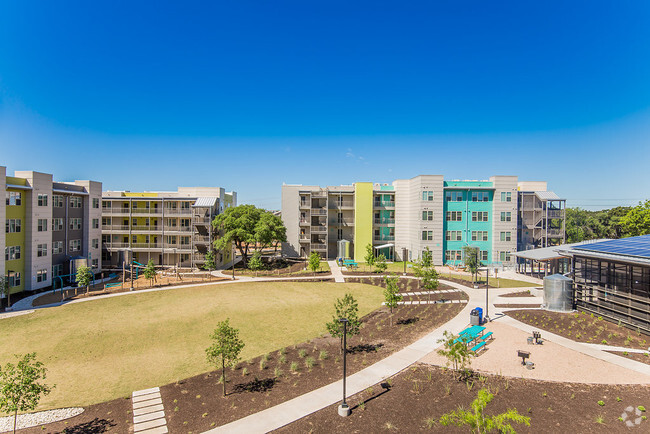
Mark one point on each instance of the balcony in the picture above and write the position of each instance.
(178, 229)
(201, 239)
(555, 214)
(384, 238)
(177, 211)
(318, 194)
(116, 211)
(319, 229)
(384, 204)
(555, 233)
(203, 221)
(304, 204)
(343, 222)
(385, 221)
(346, 204)
(316, 212)
(147, 211)
(305, 238)
(155, 228)
(304, 222)
(121, 228)
(318, 246)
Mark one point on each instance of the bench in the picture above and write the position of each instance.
(477, 347)
(487, 335)
(524, 355)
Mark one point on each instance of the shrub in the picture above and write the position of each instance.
(294, 367)
(302, 353)
(309, 362)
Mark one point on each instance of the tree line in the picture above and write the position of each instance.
(619, 222)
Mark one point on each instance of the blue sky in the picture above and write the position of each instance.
(248, 95)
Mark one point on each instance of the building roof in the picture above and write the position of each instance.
(205, 202)
(547, 195)
(633, 246)
(549, 253)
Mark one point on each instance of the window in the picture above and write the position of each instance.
(57, 247)
(95, 203)
(185, 205)
(75, 224)
(479, 216)
(479, 236)
(454, 216)
(75, 202)
(13, 279)
(427, 215)
(12, 253)
(41, 275)
(454, 236)
(483, 255)
(427, 235)
(57, 224)
(75, 245)
(106, 204)
(95, 263)
(41, 250)
(171, 239)
(506, 236)
(42, 225)
(95, 243)
(453, 255)
(506, 196)
(171, 223)
(95, 223)
(480, 196)
(504, 256)
(57, 270)
(339, 234)
(427, 195)
(13, 226)
(506, 216)
(42, 200)
(185, 223)
(185, 241)
(14, 198)
(57, 201)
(454, 196)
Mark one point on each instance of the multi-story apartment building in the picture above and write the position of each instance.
(50, 228)
(542, 217)
(170, 228)
(406, 217)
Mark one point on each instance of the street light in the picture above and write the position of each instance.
(404, 258)
(233, 261)
(344, 409)
(487, 291)
(8, 289)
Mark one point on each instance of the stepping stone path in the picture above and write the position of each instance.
(632, 413)
(148, 412)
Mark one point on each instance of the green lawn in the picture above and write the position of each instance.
(104, 349)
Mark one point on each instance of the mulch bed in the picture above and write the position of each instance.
(404, 285)
(518, 294)
(196, 404)
(415, 399)
(517, 306)
(582, 327)
(643, 358)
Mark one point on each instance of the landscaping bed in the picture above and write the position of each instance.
(582, 327)
(643, 358)
(518, 294)
(280, 268)
(404, 285)
(517, 306)
(415, 399)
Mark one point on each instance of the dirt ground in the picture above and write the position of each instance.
(415, 399)
(518, 294)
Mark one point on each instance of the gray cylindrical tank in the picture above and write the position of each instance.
(558, 293)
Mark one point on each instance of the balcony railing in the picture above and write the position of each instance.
(554, 214)
(146, 210)
(304, 222)
(384, 238)
(344, 222)
(318, 246)
(384, 203)
(177, 211)
(178, 229)
(304, 238)
(166, 246)
(555, 232)
(319, 229)
(202, 221)
(115, 228)
(385, 221)
(305, 204)
(318, 194)
(344, 204)
(318, 212)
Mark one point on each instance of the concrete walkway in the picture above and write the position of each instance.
(336, 272)
(148, 412)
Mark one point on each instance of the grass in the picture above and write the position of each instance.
(95, 351)
(324, 267)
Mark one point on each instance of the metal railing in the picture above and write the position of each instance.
(318, 194)
(319, 229)
(344, 204)
(304, 238)
(344, 222)
(385, 203)
(305, 204)
(385, 238)
(318, 212)
(115, 227)
(384, 221)
(554, 232)
(318, 246)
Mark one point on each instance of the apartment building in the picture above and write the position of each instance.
(170, 228)
(407, 217)
(50, 228)
(542, 217)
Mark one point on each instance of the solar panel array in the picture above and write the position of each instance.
(633, 246)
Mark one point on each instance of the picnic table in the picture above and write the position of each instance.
(473, 334)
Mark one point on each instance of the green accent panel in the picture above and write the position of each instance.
(363, 218)
(387, 188)
(483, 184)
(16, 181)
(17, 239)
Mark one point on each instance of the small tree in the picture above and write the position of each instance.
(370, 256)
(470, 259)
(225, 349)
(314, 262)
(424, 270)
(380, 263)
(150, 272)
(478, 421)
(84, 277)
(20, 389)
(391, 295)
(209, 264)
(4, 290)
(255, 263)
(348, 308)
(429, 279)
(457, 354)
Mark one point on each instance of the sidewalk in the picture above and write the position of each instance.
(336, 272)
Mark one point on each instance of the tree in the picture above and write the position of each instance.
(637, 221)
(246, 226)
(456, 352)
(426, 272)
(478, 421)
(348, 308)
(225, 349)
(150, 272)
(370, 256)
(84, 277)
(314, 261)
(209, 263)
(429, 280)
(4, 290)
(20, 389)
(380, 263)
(470, 259)
(256, 263)
(391, 295)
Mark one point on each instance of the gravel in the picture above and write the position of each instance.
(39, 418)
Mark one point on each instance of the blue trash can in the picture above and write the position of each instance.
(479, 310)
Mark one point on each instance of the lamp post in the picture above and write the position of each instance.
(233, 262)
(487, 290)
(404, 258)
(8, 289)
(344, 409)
